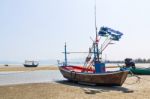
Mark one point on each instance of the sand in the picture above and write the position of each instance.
(133, 88)
(2, 69)
(69, 90)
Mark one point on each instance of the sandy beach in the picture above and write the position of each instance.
(133, 88)
(20, 68)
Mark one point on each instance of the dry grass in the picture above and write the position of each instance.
(68, 90)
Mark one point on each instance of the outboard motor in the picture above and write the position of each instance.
(129, 63)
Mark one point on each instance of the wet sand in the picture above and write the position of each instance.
(9, 68)
(68, 90)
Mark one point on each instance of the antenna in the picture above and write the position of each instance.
(95, 19)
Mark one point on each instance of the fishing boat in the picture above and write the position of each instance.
(31, 63)
(129, 64)
(93, 71)
(76, 74)
(140, 71)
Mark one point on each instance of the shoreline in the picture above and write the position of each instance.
(20, 67)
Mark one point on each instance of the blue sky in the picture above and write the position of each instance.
(38, 29)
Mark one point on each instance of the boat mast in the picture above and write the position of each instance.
(99, 66)
(96, 50)
(65, 55)
(95, 19)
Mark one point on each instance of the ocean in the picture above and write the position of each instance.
(42, 76)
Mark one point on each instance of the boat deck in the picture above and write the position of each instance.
(79, 69)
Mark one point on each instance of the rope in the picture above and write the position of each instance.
(132, 75)
(137, 80)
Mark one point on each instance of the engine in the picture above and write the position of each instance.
(129, 62)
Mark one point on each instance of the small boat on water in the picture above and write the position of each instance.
(94, 71)
(31, 63)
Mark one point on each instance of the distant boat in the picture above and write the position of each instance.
(31, 63)
(5, 64)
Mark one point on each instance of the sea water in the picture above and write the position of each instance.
(8, 78)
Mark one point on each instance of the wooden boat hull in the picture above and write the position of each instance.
(30, 65)
(140, 71)
(116, 78)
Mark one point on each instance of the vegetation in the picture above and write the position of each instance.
(138, 60)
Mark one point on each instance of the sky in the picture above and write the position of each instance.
(38, 29)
